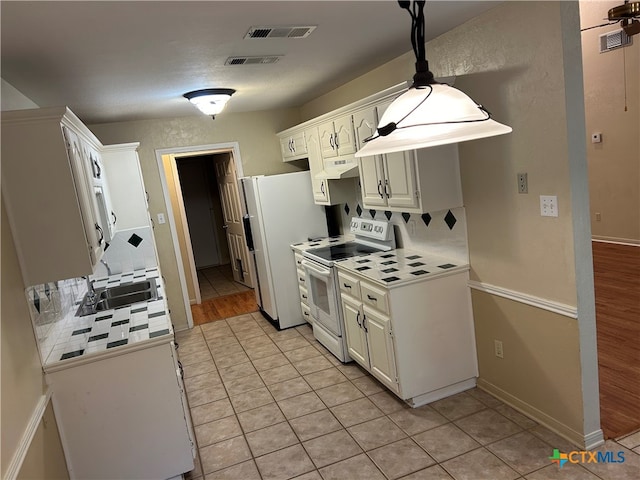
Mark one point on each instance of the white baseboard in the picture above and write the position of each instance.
(583, 442)
(27, 437)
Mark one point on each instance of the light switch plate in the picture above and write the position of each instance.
(548, 205)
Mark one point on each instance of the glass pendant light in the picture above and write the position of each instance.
(210, 101)
(429, 113)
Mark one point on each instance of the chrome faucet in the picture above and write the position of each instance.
(91, 293)
(106, 265)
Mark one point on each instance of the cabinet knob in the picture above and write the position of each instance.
(380, 189)
(346, 285)
(373, 299)
(358, 319)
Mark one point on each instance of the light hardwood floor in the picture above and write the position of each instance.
(617, 289)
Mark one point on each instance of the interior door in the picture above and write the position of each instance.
(232, 216)
(198, 208)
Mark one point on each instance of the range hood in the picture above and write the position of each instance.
(338, 169)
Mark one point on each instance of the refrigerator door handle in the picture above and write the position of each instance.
(246, 221)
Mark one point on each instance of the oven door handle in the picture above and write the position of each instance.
(315, 269)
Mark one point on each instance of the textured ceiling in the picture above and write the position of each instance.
(115, 61)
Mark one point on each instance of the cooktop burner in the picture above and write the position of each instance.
(341, 251)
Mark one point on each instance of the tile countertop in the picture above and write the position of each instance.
(116, 330)
(321, 242)
(400, 267)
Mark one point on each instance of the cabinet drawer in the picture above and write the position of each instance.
(304, 296)
(298, 257)
(349, 285)
(302, 279)
(306, 312)
(375, 297)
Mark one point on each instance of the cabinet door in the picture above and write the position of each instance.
(327, 140)
(84, 189)
(372, 181)
(400, 183)
(318, 186)
(285, 148)
(364, 125)
(298, 144)
(356, 337)
(293, 146)
(381, 350)
(344, 137)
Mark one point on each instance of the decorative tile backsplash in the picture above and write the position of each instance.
(442, 233)
(129, 250)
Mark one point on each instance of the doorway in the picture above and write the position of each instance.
(205, 216)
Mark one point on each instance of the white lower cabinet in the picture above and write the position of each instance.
(124, 415)
(302, 288)
(417, 339)
(369, 340)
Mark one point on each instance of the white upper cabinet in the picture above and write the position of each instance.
(47, 189)
(325, 191)
(125, 186)
(318, 185)
(337, 137)
(293, 146)
(412, 181)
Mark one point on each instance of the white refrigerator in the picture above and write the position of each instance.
(280, 212)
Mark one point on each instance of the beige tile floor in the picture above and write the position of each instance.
(218, 282)
(277, 405)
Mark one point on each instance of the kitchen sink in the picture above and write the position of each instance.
(108, 298)
(127, 289)
(124, 300)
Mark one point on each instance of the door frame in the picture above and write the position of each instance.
(234, 149)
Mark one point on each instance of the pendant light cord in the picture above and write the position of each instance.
(423, 76)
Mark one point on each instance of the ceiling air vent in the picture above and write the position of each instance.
(612, 40)
(280, 32)
(252, 60)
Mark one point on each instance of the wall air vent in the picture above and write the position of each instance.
(612, 40)
(297, 31)
(252, 60)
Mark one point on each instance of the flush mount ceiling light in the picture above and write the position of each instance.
(429, 113)
(210, 101)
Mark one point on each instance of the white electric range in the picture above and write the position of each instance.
(370, 236)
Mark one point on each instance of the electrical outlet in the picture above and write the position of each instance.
(598, 217)
(548, 205)
(497, 347)
(523, 186)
